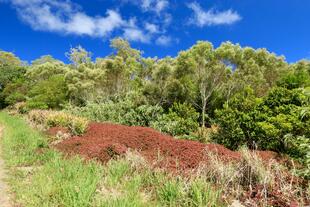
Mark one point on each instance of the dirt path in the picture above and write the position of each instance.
(4, 195)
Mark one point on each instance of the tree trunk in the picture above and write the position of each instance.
(203, 113)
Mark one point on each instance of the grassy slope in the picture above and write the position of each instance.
(41, 177)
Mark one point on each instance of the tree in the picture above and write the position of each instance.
(49, 93)
(298, 76)
(85, 83)
(78, 55)
(39, 72)
(121, 68)
(46, 59)
(206, 72)
(157, 83)
(9, 74)
(266, 122)
(258, 69)
(123, 49)
(8, 58)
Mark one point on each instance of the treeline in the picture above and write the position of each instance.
(249, 96)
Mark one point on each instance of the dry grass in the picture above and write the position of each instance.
(252, 174)
(77, 125)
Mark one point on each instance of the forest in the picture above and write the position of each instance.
(238, 97)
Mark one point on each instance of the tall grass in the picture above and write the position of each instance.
(130, 181)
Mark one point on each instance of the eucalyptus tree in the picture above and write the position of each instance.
(78, 55)
(9, 58)
(121, 68)
(157, 86)
(40, 72)
(258, 69)
(200, 70)
(46, 59)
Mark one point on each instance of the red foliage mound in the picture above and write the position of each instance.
(103, 141)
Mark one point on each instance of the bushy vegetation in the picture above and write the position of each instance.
(182, 119)
(253, 96)
(77, 125)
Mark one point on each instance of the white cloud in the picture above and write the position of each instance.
(203, 18)
(160, 6)
(164, 40)
(66, 17)
(137, 35)
(151, 28)
(157, 6)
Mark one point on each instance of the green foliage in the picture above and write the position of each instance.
(122, 112)
(297, 77)
(258, 69)
(11, 76)
(9, 59)
(50, 93)
(41, 72)
(263, 123)
(181, 119)
(78, 55)
(299, 148)
(276, 122)
(84, 83)
(46, 59)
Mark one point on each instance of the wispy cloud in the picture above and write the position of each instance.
(164, 40)
(152, 28)
(66, 17)
(211, 17)
(157, 6)
(134, 33)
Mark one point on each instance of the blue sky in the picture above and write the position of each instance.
(31, 28)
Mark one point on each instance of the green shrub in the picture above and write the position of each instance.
(299, 148)
(122, 112)
(50, 93)
(263, 123)
(278, 122)
(180, 120)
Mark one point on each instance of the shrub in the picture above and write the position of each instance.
(263, 123)
(122, 112)
(180, 120)
(38, 116)
(77, 125)
(50, 93)
(299, 148)
(278, 122)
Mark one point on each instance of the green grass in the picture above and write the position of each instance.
(40, 176)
